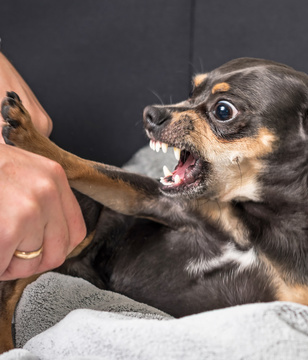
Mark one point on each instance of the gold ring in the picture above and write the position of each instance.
(27, 255)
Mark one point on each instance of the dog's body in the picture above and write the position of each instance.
(227, 227)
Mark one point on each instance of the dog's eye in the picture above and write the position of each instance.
(224, 111)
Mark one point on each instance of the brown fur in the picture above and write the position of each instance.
(10, 295)
(221, 87)
(199, 78)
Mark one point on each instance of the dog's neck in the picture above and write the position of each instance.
(222, 215)
(274, 230)
(278, 232)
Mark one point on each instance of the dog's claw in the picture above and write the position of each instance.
(5, 111)
(7, 104)
(13, 95)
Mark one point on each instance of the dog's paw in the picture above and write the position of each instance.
(18, 124)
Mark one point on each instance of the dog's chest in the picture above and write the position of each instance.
(179, 270)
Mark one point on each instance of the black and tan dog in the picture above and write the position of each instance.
(228, 226)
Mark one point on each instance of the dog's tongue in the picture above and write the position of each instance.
(181, 169)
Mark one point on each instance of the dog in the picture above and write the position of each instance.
(228, 226)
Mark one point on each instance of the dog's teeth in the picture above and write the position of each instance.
(177, 153)
(158, 144)
(166, 171)
(164, 147)
(177, 179)
(151, 144)
(164, 182)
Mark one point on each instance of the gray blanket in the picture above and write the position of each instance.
(60, 317)
(111, 326)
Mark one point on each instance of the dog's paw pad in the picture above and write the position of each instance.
(15, 116)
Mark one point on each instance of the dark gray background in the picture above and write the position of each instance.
(95, 64)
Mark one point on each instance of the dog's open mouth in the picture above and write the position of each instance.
(187, 173)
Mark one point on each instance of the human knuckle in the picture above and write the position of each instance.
(8, 234)
(56, 169)
(47, 189)
(32, 205)
(29, 209)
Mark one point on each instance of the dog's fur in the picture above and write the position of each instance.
(228, 227)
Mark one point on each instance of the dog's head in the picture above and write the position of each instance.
(244, 126)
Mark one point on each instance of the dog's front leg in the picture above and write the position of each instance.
(124, 192)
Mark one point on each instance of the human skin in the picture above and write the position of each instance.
(37, 206)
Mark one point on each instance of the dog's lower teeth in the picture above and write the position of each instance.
(166, 182)
(166, 171)
(177, 179)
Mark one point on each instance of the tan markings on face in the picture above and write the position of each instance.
(180, 104)
(237, 150)
(222, 213)
(235, 165)
(199, 78)
(183, 103)
(178, 120)
(217, 149)
(221, 87)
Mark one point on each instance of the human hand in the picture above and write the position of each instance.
(37, 208)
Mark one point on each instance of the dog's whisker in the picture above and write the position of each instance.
(201, 65)
(138, 122)
(158, 97)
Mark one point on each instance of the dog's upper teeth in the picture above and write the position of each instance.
(166, 171)
(177, 153)
(164, 147)
(157, 146)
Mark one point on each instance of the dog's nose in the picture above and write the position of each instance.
(154, 116)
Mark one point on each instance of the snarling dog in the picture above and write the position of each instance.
(228, 226)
